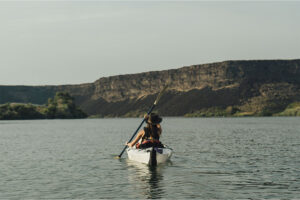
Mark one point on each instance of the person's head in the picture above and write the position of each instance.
(153, 119)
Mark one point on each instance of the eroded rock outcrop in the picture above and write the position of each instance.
(250, 87)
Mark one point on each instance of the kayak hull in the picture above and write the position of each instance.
(150, 156)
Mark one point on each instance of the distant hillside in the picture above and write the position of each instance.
(230, 88)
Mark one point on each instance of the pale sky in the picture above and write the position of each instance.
(72, 42)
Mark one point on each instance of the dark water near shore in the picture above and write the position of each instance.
(215, 158)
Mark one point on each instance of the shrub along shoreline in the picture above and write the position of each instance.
(62, 106)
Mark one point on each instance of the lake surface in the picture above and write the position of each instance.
(214, 158)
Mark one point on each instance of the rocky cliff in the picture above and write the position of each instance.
(257, 87)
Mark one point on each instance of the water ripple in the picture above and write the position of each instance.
(215, 158)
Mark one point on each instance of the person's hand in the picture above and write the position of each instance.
(128, 144)
(146, 116)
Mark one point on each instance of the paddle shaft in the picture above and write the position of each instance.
(149, 111)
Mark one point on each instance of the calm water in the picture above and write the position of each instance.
(219, 158)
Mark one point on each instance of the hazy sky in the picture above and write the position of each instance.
(71, 42)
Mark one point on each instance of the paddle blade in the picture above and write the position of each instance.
(160, 94)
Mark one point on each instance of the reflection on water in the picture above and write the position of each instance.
(146, 180)
(219, 158)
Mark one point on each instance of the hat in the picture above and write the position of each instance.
(154, 119)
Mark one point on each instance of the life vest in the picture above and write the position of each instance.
(150, 137)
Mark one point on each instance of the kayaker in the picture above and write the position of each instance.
(150, 134)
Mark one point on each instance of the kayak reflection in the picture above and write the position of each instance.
(146, 180)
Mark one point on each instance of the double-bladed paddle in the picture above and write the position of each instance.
(148, 113)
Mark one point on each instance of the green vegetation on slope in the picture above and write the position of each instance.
(61, 107)
(214, 112)
(292, 109)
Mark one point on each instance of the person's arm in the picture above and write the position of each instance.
(159, 129)
(137, 138)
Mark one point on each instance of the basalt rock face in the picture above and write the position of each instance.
(253, 87)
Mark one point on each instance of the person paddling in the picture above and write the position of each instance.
(150, 134)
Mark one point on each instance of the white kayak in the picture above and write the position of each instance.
(150, 156)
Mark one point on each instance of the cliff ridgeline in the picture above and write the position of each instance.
(230, 88)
